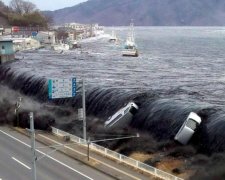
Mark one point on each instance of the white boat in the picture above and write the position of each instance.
(74, 44)
(61, 47)
(130, 48)
(130, 52)
(113, 37)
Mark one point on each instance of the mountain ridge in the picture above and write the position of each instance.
(144, 12)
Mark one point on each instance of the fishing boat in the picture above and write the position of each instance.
(74, 44)
(130, 48)
(61, 46)
(113, 37)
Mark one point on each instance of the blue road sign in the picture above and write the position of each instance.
(61, 88)
(34, 33)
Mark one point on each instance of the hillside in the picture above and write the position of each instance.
(144, 12)
(3, 16)
(24, 15)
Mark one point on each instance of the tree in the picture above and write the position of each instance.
(22, 7)
(28, 7)
(31, 19)
(17, 6)
(3, 7)
(25, 13)
(2, 4)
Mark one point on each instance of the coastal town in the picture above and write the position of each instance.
(56, 38)
(96, 89)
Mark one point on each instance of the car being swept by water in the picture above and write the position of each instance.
(188, 128)
(122, 117)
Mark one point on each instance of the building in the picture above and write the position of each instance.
(76, 26)
(1, 31)
(75, 35)
(20, 44)
(46, 37)
(6, 51)
(7, 31)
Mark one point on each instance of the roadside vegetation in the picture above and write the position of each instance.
(23, 13)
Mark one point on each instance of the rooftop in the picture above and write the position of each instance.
(5, 40)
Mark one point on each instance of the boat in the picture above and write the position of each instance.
(130, 48)
(74, 44)
(61, 47)
(113, 37)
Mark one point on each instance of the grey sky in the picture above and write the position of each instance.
(51, 4)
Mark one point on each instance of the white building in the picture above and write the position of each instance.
(1, 31)
(46, 37)
(76, 26)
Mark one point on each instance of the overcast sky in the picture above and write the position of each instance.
(51, 4)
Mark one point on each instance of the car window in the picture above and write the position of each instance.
(192, 124)
(126, 110)
(115, 119)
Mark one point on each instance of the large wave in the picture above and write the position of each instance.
(160, 116)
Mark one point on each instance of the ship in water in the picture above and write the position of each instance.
(130, 48)
(113, 37)
(61, 46)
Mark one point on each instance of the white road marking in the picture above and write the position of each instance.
(21, 163)
(133, 177)
(47, 155)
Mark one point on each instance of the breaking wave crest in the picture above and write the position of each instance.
(158, 115)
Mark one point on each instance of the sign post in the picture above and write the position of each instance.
(61, 88)
(66, 88)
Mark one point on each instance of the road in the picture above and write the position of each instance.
(15, 161)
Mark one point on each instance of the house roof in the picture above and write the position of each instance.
(4, 40)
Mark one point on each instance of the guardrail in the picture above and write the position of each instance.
(119, 157)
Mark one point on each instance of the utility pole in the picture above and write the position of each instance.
(34, 176)
(84, 112)
(88, 151)
(17, 110)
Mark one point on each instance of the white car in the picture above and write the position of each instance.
(122, 117)
(188, 128)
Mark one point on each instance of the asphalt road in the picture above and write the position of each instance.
(15, 161)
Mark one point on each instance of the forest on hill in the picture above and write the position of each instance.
(22, 13)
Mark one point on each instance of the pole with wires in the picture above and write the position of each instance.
(84, 112)
(34, 176)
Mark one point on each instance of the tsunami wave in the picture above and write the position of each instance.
(158, 114)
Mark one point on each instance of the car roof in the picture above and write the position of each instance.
(195, 117)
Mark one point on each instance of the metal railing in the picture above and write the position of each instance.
(119, 157)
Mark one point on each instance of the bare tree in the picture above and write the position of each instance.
(2, 4)
(17, 6)
(29, 7)
(22, 7)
